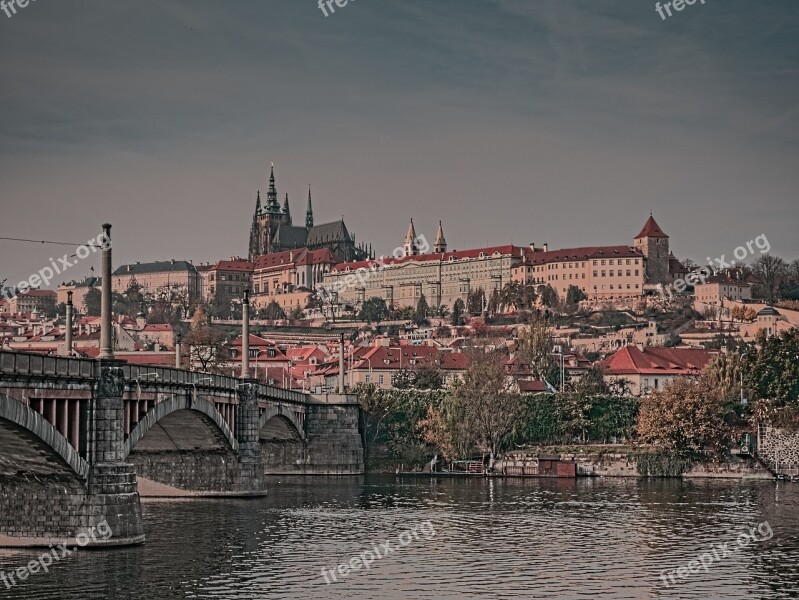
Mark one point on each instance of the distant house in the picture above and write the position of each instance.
(650, 368)
(155, 276)
(720, 287)
(34, 301)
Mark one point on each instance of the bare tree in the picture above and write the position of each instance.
(770, 271)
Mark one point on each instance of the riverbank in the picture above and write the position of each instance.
(617, 461)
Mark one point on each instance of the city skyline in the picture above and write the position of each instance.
(564, 125)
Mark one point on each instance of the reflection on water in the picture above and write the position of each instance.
(493, 539)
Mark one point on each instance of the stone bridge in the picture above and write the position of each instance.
(81, 440)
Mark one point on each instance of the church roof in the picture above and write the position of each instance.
(651, 229)
(328, 232)
(288, 236)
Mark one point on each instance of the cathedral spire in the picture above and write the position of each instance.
(286, 210)
(272, 204)
(309, 211)
(409, 247)
(440, 245)
(258, 203)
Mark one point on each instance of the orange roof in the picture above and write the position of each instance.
(631, 360)
(583, 253)
(454, 255)
(651, 229)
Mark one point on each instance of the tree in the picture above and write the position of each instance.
(206, 343)
(475, 302)
(457, 313)
(688, 417)
(93, 301)
(420, 316)
(518, 295)
(486, 405)
(534, 346)
(296, 313)
(592, 383)
(773, 374)
(273, 312)
(770, 271)
(428, 377)
(548, 295)
(405, 313)
(374, 310)
(574, 296)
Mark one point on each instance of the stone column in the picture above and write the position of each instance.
(112, 490)
(251, 467)
(177, 351)
(68, 325)
(106, 333)
(245, 336)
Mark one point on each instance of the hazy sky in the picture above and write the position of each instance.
(559, 121)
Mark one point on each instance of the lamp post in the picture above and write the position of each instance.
(245, 335)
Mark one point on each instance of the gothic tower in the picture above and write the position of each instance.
(440, 245)
(653, 243)
(409, 247)
(309, 211)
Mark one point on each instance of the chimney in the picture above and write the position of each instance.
(532, 246)
(546, 247)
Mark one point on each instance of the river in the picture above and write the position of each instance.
(450, 538)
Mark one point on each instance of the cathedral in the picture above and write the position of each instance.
(272, 230)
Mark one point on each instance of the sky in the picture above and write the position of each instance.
(512, 121)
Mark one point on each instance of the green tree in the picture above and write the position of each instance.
(374, 310)
(773, 374)
(428, 377)
(93, 301)
(422, 309)
(297, 314)
(548, 295)
(475, 302)
(457, 313)
(687, 417)
(273, 312)
(574, 296)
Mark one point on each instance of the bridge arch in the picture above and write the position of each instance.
(24, 417)
(287, 417)
(174, 404)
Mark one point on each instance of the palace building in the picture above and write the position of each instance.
(272, 230)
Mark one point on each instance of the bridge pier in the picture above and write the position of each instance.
(250, 476)
(112, 495)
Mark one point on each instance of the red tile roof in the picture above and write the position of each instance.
(507, 250)
(631, 360)
(582, 253)
(651, 229)
(233, 265)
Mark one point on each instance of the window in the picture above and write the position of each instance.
(628, 271)
(380, 379)
(603, 273)
(636, 271)
(595, 272)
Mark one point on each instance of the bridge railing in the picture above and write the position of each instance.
(28, 363)
(21, 363)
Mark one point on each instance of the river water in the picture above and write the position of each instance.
(450, 538)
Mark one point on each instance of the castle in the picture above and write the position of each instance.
(272, 230)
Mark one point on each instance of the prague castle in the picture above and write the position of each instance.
(272, 230)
